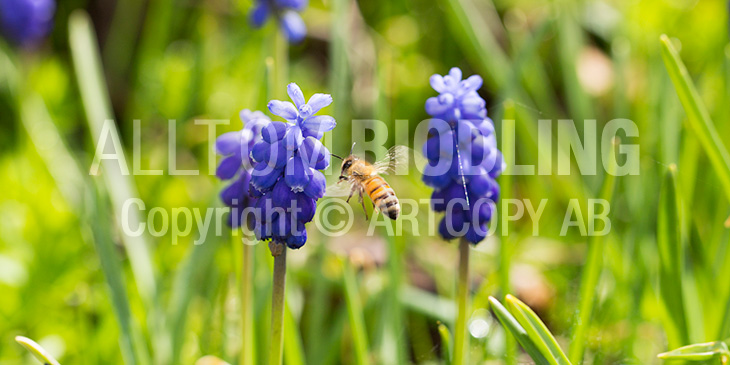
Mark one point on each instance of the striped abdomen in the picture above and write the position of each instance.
(382, 196)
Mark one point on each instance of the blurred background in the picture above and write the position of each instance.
(73, 282)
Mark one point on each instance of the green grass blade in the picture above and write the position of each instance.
(671, 253)
(81, 194)
(355, 313)
(697, 115)
(131, 343)
(699, 352)
(446, 346)
(97, 106)
(537, 330)
(38, 352)
(537, 351)
(591, 271)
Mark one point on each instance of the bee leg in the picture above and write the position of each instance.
(362, 202)
(351, 192)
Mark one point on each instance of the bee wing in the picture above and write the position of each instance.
(398, 160)
(339, 189)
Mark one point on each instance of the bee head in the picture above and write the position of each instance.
(346, 165)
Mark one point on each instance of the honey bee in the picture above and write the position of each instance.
(364, 177)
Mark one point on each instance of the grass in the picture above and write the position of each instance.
(651, 290)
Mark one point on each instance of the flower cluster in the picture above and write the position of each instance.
(463, 157)
(237, 164)
(285, 12)
(286, 177)
(26, 22)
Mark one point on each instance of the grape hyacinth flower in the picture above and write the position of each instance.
(286, 14)
(462, 155)
(237, 164)
(26, 22)
(286, 177)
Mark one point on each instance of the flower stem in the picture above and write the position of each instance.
(247, 300)
(460, 338)
(276, 347)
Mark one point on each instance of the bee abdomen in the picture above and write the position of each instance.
(383, 196)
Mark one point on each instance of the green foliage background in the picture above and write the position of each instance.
(67, 281)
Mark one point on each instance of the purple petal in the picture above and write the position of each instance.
(439, 125)
(312, 150)
(465, 132)
(473, 83)
(234, 194)
(259, 14)
(293, 4)
(293, 27)
(256, 117)
(274, 131)
(307, 206)
(319, 124)
(437, 83)
(476, 233)
(229, 167)
(479, 185)
(297, 174)
(228, 143)
(293, 138)
(314, 134)
(261, 151)
(263, 177)
(480, 149)
(486, 127)
(296, 95)
(324, 162)
(431, 148)
(439, 105)
(283, 109)
(317, 185)
(297, 240)
(279, 155)
(443, 231)
(281, 226)
(281, 195)
(455, 74)
(317, 102)
(497, 165)
(435, 177)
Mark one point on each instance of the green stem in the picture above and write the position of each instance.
(247, 300)
(460, 338)
(276, 347)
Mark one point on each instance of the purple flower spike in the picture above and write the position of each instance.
(463, 159)
(288, 159)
